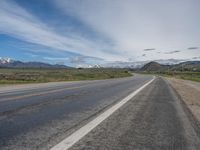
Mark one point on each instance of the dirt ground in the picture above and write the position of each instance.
(190, 93)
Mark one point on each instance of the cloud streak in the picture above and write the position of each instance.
(76, 60)
(125, 29)
(196, 57)
(191, 48)
(18, 22)
(143, 55)
(150, 49)
(173, 52)
(133, 25)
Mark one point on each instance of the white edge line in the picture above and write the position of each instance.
(80, 133)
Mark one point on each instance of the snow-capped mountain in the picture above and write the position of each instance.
(130, 64)
(10, 63)
(119, 64)
(140, 64)
(89, 66)
(96, 66)
(5, 60)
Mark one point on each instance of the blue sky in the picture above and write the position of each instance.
(83, 32)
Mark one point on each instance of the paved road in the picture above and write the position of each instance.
(156, 119)
(39, 117)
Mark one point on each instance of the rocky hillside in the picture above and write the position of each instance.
(154, 66)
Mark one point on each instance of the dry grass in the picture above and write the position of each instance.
(11, 76)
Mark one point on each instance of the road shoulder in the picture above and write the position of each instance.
(189, 92)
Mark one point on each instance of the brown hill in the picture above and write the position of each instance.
(153, 66)
(184, 66)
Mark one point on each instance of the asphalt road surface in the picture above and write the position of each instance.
(39, 117)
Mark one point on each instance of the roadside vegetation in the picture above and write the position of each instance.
(186, 75)
(11, 76)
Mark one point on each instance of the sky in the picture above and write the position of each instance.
(84, 32)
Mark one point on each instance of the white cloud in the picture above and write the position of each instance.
(131, 25)
(19, 23)
(134, 25)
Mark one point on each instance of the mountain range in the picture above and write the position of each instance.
(9, 63)
(158, 65)
(184, 66)
(140, 64)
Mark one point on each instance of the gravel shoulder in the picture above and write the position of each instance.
(189, 92)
